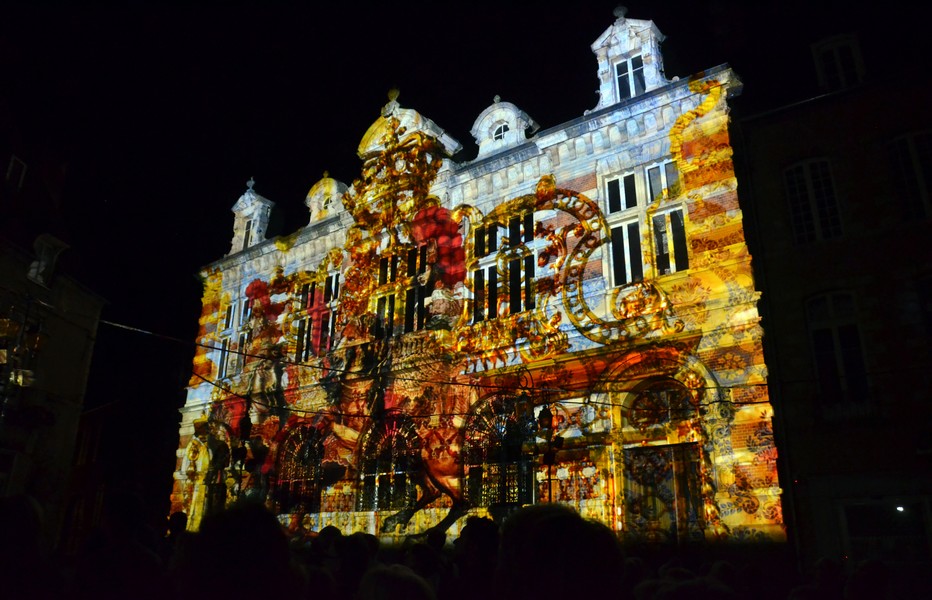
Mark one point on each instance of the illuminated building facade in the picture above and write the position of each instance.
(569, 317)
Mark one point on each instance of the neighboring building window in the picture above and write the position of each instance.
(497, 469)
(670, 242)
(16, 172)
(838, 62)
(622, 193)
(811, 196)
(300, 475)
(911, 165)
(924, 290)
(391, 458)
(629, 76)
(836, 344)
(500, 132)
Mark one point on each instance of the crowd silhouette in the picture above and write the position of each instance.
(540, 552)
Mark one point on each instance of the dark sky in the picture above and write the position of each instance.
(163, 112)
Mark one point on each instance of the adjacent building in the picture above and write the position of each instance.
(569, 317)
(837, 187)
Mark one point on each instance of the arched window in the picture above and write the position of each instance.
(300, 472)
(663, 402)
(497, 469)
(500, 131)
(390, 460)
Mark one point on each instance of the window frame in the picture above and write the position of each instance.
(633, 75)
(840, 371)
(912, 176)
(812, 219)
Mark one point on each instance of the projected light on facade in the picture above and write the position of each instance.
(386, 368)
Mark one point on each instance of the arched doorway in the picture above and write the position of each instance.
(497, 469)
(391, 461)
(662, 463)
(300, 473)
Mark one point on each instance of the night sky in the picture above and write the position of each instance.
(162, 112)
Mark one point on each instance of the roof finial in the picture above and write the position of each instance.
(620, 12)
(250, 183)
(326, 174)
(497, 99)
(392, 102)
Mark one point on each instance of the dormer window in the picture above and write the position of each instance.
(629, 75)
(500, 131)
(247, 234)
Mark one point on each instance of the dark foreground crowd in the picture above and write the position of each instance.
(541, 552)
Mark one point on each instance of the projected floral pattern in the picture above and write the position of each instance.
(399, 383)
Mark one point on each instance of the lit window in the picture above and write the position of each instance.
(627, 261)
(663, 181)
(630, 224)
(836, 344)
(247, 233)
(223, 359)
(811, 196)
(629, 75)
(516, 284)
(622, 193)
(500, 132)
(670, 242)
(228, 317)
(911, 165)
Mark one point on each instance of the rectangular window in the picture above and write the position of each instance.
(518, 276)
(485, 302)
(245, 313)
(629, 75)
(811, 196)
(622, 193)
(670, 242)
(16, 172)
(663, 181)
(911, 167)
(223, 359)
(247, 234)
(521, 269)
(627, 264)
(837, 349)
(228, 317)
(385, 305)
(838, 62)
